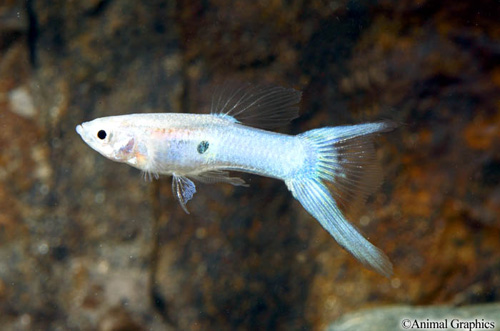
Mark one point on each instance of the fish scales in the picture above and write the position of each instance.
(171, 141)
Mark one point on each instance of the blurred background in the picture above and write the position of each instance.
(86, 243)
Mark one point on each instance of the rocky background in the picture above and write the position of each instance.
(85, 243)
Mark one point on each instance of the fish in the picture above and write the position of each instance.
(235, 137)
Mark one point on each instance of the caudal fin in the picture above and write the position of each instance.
(346, 158)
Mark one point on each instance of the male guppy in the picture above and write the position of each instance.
(205, 147)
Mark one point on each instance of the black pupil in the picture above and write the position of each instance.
(101, 134)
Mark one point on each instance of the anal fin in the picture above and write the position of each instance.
(218, 176)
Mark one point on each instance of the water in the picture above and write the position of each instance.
(85, 243)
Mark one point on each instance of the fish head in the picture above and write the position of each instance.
(110, 136)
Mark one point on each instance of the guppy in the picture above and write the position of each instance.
(205, 147)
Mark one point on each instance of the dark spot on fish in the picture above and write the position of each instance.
(101, 134)
(202, 147)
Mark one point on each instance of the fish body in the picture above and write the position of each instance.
(192, 144)
(205, 147)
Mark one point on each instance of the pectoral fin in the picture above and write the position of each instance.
(183, 189)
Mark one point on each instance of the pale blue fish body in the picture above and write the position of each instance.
(205, 147)
(174, 140)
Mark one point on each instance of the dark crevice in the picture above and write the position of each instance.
(491, 173)
(185, 101)
(161, 306)
(98, 9)
(259, 63)
(158, 302)
(32, 32)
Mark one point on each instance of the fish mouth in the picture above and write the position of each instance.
(79, 130)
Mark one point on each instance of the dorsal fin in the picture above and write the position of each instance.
(261, 106)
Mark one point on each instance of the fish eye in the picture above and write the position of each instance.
(101, 134)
